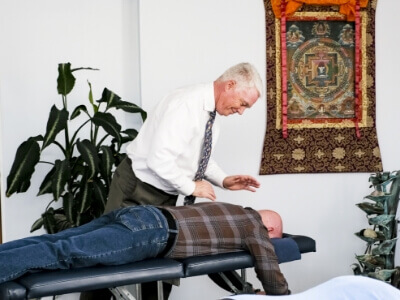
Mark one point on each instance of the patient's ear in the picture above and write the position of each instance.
(272, 232)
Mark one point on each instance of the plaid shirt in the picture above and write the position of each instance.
(213, 227)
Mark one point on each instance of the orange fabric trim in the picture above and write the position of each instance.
(347, 7)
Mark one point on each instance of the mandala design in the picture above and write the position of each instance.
(320, 68)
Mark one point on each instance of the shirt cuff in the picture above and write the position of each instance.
(188, 188)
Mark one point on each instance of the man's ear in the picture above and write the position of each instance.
(230, 84)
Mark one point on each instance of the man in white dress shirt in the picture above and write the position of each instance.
(163, 159)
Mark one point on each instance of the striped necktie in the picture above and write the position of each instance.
(205, 156)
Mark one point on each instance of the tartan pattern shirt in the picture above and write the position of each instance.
(214, 227)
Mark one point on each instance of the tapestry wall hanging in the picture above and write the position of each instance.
(320, 87)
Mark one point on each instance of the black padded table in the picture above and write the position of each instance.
(48, 283)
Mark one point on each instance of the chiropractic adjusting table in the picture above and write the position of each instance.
(116, 278)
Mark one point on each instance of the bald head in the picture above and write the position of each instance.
(273, 221)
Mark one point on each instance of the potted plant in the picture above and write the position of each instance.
(81, 178)
(381, 207)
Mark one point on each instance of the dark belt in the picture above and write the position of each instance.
(172, 231)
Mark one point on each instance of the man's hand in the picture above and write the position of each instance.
(204, 189)
(241, 182)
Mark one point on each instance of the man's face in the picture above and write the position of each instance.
(233, 100)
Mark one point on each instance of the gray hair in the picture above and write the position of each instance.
(245, 75)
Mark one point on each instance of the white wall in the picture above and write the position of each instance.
(183, 42)
(36, 36)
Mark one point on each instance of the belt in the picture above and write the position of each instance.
(172, 232)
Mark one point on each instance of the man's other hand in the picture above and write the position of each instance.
(241, 182)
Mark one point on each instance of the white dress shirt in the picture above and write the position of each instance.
(167, 150)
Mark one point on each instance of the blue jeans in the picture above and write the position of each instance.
(119, 237)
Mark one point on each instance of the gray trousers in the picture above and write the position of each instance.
(128, 190)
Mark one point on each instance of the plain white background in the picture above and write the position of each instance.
(146, 48)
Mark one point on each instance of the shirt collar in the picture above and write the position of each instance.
(209, 100)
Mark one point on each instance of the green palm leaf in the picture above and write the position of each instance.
(99, 197)
(46, 186)
(107, 163)
(83, 197)
(131, 133)
(57, 122)
(108, 122)
(89, 155)
(130, 107)
(60, 178)
(65, 80)
(26, 158)
(77, 111)
(37, 224)
(109, 97)
(113, 100)
(68, 205)
(49, 222)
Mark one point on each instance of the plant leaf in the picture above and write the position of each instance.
(83, 197)
(371, 208)
(380, 199)
(26, 158)
(380, 237)
(57, 122)
(107, 163)
(37, 224)
(61, 222)
(131, 108)
(95, 107)
(77, 111)
(385, 247)
(371, 261)
(65, 80)
(381, 220)
(60, 178)
(49, 222)
(89, 155)
(100, 197)
(114, 101)
(46, 186)
(382, 274)
(108, 122)
(109, 97)
(68, 205)
(131, 133)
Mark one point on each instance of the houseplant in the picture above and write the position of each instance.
(381, 237)
(81, 178)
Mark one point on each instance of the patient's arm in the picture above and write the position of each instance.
(266, 263)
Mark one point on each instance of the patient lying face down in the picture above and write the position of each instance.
(137, 233)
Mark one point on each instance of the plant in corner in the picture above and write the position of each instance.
(381, 207)
(81, 178)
